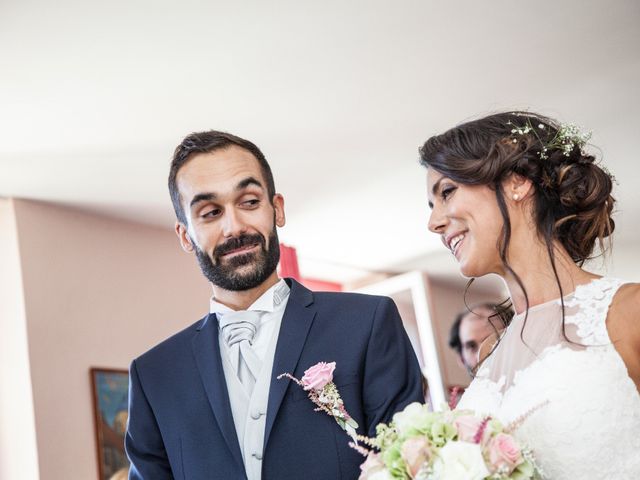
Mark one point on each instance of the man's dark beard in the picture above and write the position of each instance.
(224, 274)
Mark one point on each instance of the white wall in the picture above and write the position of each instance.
(18, 452)
(98, 292)
(622, 261)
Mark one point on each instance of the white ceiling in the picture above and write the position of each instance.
(339, 95)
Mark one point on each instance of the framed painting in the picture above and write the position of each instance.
(110, 389)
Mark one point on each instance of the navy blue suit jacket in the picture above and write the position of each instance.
(180, 421)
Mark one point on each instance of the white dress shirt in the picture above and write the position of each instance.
(249, 411)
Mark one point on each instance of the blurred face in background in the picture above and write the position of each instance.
(475, 328)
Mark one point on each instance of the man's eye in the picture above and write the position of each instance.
(211, 213)
(251, 203)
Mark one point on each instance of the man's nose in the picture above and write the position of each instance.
(233, 224)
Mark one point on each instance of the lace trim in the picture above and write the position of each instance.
(592, 301)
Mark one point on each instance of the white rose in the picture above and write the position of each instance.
(460, 461)
(415, 415)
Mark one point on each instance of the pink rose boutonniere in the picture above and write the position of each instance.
(318, 376)
(318, 382)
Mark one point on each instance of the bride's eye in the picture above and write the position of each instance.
(447, 191)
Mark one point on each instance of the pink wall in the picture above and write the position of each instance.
(98, 292)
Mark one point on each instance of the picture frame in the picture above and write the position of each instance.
(110, 391)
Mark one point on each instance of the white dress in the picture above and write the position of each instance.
(585, 409)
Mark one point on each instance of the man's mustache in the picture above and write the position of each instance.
(239, 242)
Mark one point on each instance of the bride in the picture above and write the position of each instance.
(514, 194)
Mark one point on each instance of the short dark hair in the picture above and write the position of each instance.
(210, 141)
(454, 333)
(504, 314)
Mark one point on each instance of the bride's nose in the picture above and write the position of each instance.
(437, 220)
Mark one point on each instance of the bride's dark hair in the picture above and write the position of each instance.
(572, 199)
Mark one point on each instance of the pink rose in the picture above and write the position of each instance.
(373, 464)
(467, 427)
(318, 376)
(504, 451)
(415, 452)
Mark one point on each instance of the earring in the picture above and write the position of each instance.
(516, 197)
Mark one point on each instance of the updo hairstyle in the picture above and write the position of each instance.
(572, 201)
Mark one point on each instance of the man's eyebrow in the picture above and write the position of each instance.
(248, 181)
(208, 196)
(202, 197)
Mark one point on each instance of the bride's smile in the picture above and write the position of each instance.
(469, 222)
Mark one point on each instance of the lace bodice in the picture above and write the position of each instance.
(585, 420)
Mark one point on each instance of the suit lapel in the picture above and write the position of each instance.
(296, 323)
(207, 354)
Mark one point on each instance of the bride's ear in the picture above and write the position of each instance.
(517, 188)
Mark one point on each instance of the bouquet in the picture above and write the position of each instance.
(453, 444)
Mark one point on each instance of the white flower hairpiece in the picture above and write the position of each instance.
(567, 137)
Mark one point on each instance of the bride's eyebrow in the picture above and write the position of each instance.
(436, 185)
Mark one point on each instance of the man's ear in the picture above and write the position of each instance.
(278, 206)
(183, 237)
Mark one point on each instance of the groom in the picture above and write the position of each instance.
(206, 403)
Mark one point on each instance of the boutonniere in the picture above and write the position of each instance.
(318, 382)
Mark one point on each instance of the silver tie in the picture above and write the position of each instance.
(238, 330)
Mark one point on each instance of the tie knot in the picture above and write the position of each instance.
(239, 326)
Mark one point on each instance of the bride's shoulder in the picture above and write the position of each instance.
(623, 324)
(626, 304)
(623, 314)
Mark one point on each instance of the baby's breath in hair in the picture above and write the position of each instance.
(567, 137)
